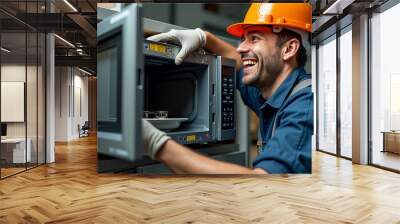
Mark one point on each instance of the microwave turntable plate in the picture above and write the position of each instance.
(166, 123)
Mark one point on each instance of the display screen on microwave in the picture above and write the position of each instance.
(109, 85)
(227, 71)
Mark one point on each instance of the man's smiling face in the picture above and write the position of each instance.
(261, 57)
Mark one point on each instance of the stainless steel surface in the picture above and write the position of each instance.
(242, 128)
(154, 26)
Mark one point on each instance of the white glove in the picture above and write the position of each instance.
(153, 138)
(190, 40)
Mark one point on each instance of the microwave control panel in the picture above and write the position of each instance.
(228, 98)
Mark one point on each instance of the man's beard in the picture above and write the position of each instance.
(271, 67)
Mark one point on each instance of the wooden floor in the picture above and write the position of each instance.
(71, 191)
(10, 171)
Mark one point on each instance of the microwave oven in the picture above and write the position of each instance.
(194, 103)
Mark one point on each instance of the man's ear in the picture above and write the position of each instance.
(290, 49)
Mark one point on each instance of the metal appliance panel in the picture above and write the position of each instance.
(120, 87)
(198, 69)
(225, 99)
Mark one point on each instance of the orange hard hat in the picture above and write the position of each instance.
(287, 15)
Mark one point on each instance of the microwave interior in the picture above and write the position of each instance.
(180, 91)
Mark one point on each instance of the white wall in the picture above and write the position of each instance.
(12, 73)
(71, 102)
(79, 117)
(61, 103)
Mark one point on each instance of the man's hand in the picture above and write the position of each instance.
(183, 160)
(153, 138)
(190, 40)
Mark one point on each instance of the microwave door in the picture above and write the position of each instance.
(119, 85)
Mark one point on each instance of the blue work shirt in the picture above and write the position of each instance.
(289, 150)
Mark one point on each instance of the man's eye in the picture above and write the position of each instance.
(254, 38)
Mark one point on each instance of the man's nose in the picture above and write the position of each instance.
(242, 48)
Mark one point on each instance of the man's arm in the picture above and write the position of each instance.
(183, 160)
(192, 40)
(220, 47)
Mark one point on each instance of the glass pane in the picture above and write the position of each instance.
(31, 97)
(41, 98)
(346, 94)
(327, 96)
(385, 86)
(13, 87)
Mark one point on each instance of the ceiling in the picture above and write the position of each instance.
(76, 21)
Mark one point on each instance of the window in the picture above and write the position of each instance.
(327, 95)
(22, 77)
(345, 42)
(385, 89)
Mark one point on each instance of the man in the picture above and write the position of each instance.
(272, 82)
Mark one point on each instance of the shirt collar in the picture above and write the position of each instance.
(279, 96)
